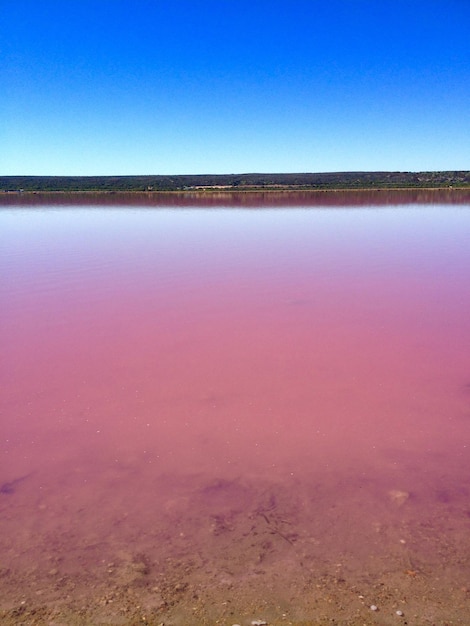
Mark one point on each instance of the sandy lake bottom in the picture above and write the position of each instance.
(235, 416)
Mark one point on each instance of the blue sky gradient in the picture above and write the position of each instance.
(189, 87)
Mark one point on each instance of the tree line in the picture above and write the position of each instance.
(182, 182)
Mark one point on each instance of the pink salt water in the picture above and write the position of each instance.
(213, 411)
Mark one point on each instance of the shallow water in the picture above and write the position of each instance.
(238, 401)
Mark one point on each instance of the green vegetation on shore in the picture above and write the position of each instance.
(233, 182)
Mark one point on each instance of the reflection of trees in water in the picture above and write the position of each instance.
(242, 199)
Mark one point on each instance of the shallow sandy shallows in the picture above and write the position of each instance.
(194, 550)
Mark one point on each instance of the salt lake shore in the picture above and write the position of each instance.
(256, 552)
(239, 182)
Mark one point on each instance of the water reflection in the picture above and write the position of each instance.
(257, 200)
(267, 408)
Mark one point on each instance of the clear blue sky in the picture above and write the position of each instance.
(206, 86)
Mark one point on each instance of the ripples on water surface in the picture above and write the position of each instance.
(220, 413)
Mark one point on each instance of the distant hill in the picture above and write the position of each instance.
(233, 182)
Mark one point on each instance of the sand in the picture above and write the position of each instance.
(127, 546)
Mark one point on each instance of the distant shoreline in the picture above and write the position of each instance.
(231, 190)
(204, 183)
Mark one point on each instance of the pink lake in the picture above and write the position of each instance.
(235, 408)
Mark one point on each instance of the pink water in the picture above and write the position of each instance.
(150, 348)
